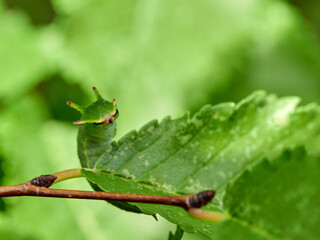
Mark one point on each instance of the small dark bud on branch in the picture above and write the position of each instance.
(43, 181)
(200, 199)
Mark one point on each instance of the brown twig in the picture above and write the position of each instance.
(39, 187)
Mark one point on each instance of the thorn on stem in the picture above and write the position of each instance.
(155, 217)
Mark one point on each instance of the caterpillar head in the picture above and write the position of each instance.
(101, 112)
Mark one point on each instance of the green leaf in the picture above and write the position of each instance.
(280, 198)
(206, 152)
(177, 235)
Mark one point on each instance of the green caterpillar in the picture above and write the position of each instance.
(97, 127)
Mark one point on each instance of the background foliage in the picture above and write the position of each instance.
(156, 58)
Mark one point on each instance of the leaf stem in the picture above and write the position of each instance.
(67, 174)
(207, 215)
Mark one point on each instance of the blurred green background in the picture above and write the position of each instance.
(156, 58)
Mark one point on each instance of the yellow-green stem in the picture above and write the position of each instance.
(67, 174)
(207, 215)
